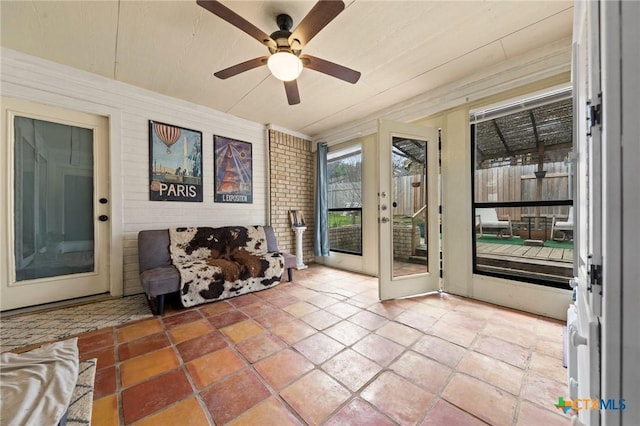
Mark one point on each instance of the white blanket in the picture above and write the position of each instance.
(36, 386)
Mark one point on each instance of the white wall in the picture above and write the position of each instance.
(129, 110)
(620, 68)
(457, 229)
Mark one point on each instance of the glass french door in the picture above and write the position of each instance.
(408, 210)
(57, 208)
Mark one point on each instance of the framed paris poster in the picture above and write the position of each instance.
(233, 166)
(175, 163)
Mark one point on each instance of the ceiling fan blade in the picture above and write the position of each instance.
(242, 67)
(318, 17)
(330, 68)
(236, 20)
(293, 96)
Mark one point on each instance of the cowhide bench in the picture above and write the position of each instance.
(160, 277)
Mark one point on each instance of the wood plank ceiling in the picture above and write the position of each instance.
(402, 48)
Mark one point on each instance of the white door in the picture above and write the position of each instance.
(55, 214)
(584, 329)
(408, 210)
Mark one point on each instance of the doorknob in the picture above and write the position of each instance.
(103, 218)
(576, 338)
(384, 220)
(573, 388)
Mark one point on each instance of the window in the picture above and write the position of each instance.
(344, 176)
(522, 200)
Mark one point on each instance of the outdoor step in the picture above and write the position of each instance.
(420, 260)
(562, 279)
(537, 266)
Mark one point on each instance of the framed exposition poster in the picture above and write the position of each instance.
(233, 165)
(175, 163)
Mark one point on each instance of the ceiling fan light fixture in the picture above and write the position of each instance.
(284, 66)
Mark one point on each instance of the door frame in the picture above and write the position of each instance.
(18, 107)
(410, 285)
(367, 263)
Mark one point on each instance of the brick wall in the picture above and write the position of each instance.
(292, 187)
(347, 238)
(402, 241)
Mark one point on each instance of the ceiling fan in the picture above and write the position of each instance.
(285, 46)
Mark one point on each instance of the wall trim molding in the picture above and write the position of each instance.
(281, 129)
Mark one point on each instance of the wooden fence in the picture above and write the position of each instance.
(345, 194)
(407, 197)
(512, 183)
(518, 183)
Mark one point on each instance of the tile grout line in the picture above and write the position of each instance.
(353, 395)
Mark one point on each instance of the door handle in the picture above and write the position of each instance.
(576, 338)
(103, 218)
(384, 220)
(573, 388)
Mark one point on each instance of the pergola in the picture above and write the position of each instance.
(526, 136)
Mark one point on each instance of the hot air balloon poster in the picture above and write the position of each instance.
(175, 163)
(233, 181)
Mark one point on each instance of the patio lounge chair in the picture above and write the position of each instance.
(488, 219)
(567, 226)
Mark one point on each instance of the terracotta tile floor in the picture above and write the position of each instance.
(323, 350)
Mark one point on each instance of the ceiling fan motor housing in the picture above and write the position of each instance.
(284, 22)
(281, 36)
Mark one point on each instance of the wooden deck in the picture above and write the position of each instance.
(555, 264)
(544, 253)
